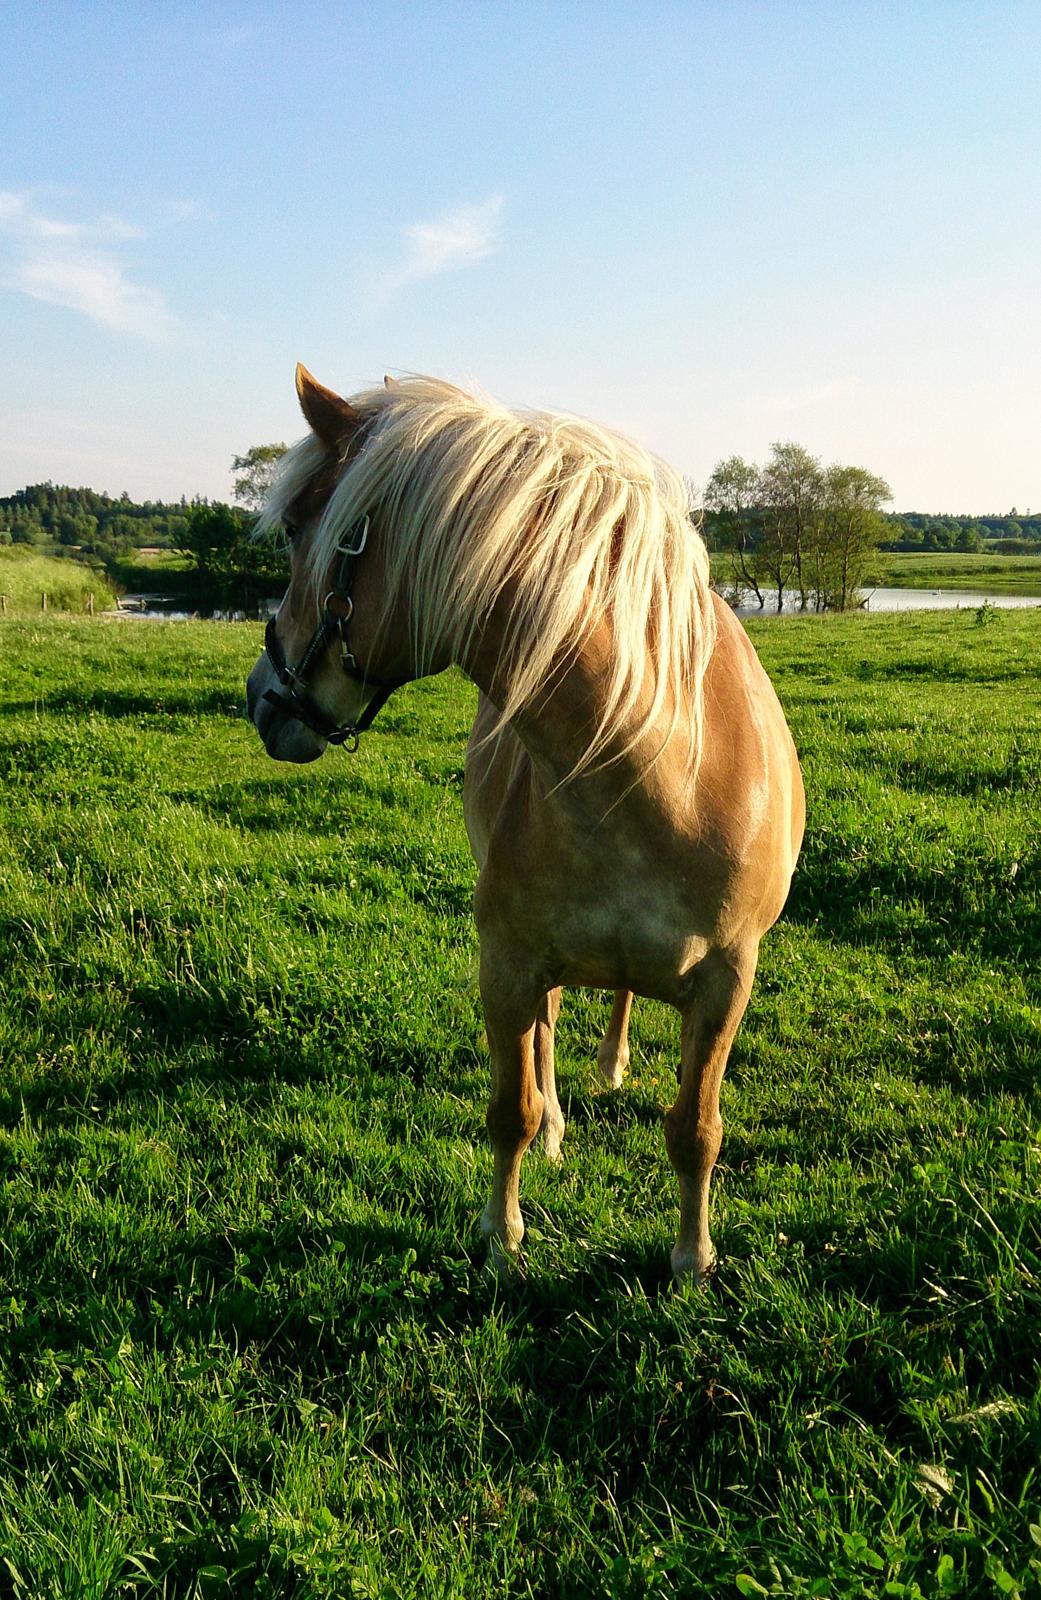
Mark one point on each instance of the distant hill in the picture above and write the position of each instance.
(26, 575)
(52, 516)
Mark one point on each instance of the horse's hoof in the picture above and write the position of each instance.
(551, 1142)
(689, 1267)
(502, 1265)
(612, 1064)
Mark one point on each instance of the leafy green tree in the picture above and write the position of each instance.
(218, 539)
(796, 522)
(791, 486)
(254, 473)
(75, 529)
(213, 536)
(731, 497)
(850, 527)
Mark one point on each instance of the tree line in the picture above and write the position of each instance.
(103, 531)
(791, 525)
(1014, 534)
(57, 519)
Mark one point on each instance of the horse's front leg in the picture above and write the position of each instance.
(515, 1111)
(693, 1128)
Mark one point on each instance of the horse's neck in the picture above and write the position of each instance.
(556, 728)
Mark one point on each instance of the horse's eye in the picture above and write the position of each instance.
(291, 530)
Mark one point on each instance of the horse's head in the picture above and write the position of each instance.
(324, 672)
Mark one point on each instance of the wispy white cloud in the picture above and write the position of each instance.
(100, 289)
(789, 402)
(462, 237)
(76, 265)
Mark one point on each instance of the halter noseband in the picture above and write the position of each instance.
(337, 610)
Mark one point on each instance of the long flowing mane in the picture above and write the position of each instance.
(470, 501)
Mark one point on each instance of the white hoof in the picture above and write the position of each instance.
(552, 1135)
(613, 1064)
(693, 1266)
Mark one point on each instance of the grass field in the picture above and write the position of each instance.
(245, 1344)
(993, 574)
(957, 570)
(25, 575)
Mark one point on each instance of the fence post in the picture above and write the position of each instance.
(3, 605)
(90, 604)
(43, 601)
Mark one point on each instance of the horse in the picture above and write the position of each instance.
(632, 794)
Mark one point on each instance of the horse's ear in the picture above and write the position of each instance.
(330, 417)
(389, 382)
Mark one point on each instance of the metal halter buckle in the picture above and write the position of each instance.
(337, 610)
(363, 536)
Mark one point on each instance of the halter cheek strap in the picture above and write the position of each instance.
(337, 610)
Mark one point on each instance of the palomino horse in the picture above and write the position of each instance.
(632, 794)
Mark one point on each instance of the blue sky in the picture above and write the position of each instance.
(710, 225)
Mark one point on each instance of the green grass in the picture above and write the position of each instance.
(25, 575)
(245, 1344)
(958, 570)
(994, 574)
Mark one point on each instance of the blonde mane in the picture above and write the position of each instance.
(468, 500)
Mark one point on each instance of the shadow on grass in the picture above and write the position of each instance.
(898, 907)
(607, 1356)
(628, 1107)
(247, 1047)
(182, 702)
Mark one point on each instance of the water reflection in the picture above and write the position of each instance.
(170, 608)
(157, 607)
(894, 600)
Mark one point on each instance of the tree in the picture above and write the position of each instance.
(850, 528)
(794, 520)
(73, 529)
(731, 496)
(791, 487)
(214, 537)
(219, 540)
(254, 473)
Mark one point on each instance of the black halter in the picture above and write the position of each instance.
(337, 610)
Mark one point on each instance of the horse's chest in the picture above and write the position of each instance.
(617, 924)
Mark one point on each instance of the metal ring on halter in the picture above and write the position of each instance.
(343, 600)
(332, 625)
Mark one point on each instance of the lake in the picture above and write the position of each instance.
(150, 607)
(904, 600)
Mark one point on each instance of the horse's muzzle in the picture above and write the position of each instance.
(285, 738)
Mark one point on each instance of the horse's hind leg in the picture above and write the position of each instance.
(552, 1128)
(613, 1054)
(517, 1103)
(693, 1128)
